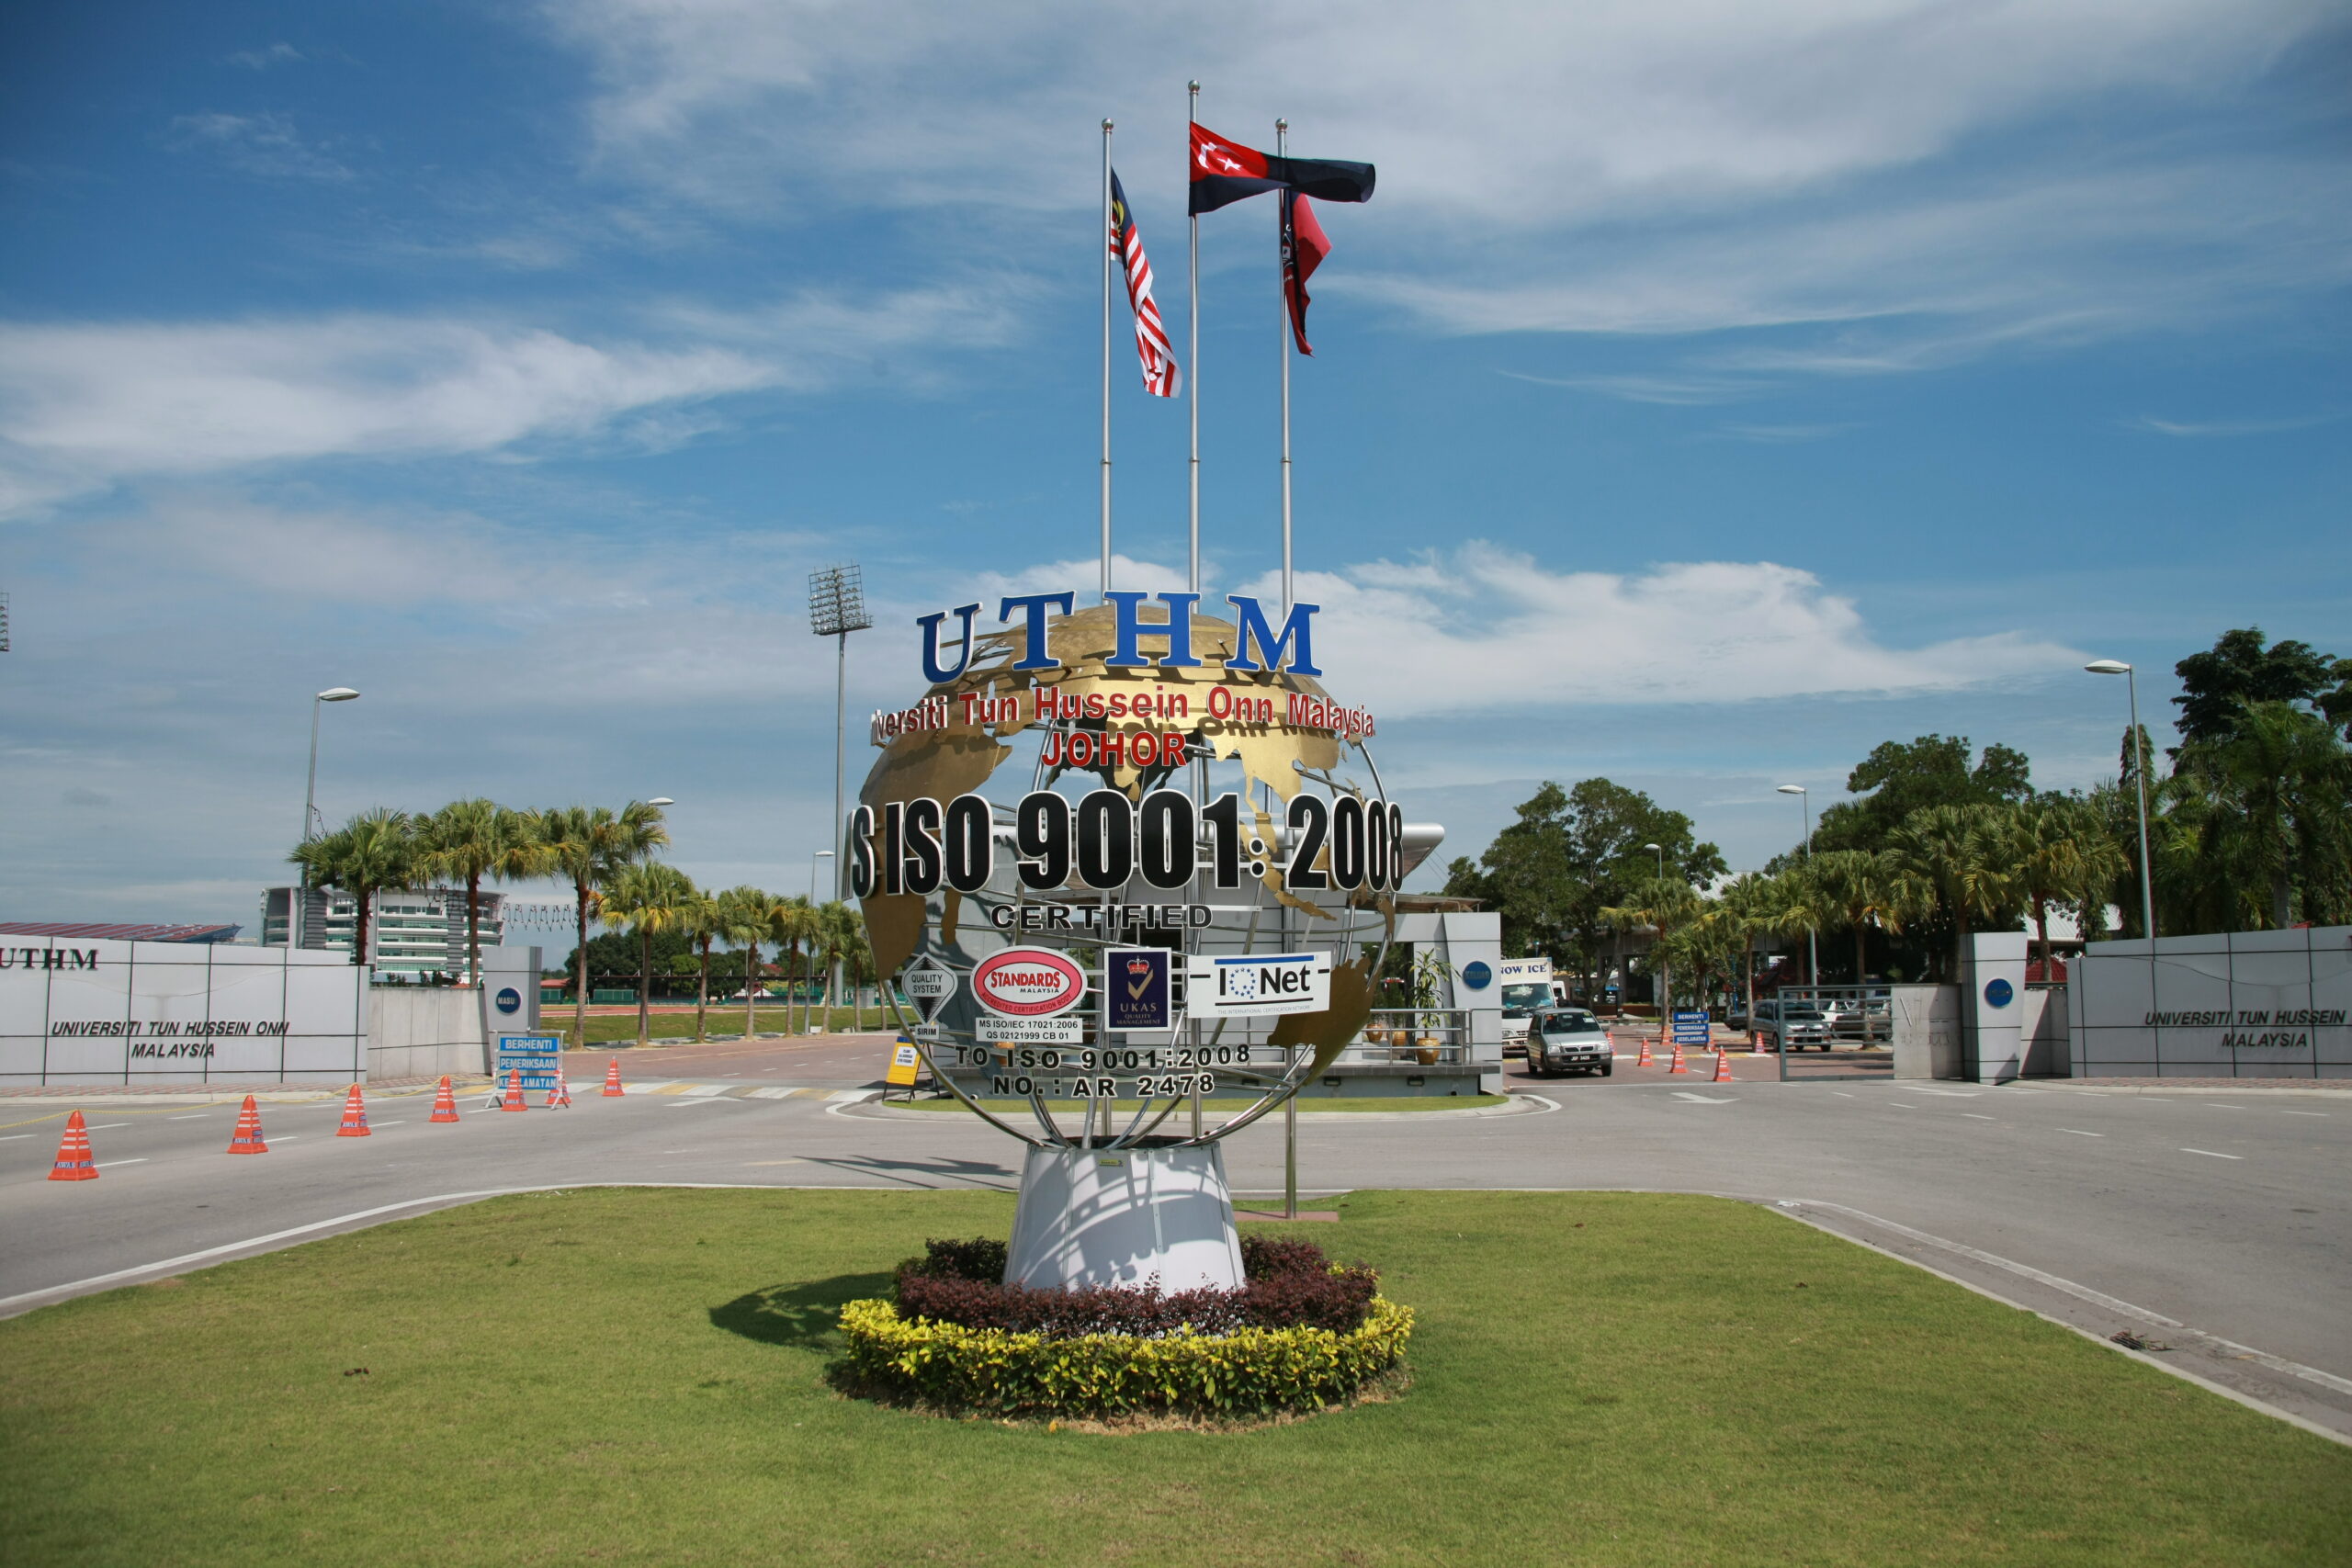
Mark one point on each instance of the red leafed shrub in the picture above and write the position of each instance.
(1290, 1284)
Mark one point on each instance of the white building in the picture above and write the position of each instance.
(412, 932)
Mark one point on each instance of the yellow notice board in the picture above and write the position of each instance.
(904, 1061)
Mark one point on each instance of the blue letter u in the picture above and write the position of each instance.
(932, 669)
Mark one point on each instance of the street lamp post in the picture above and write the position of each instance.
(311, 809)
(820, 854)
(1812, 937)
(1664, 1001)
(836, 608)
(2140, 776)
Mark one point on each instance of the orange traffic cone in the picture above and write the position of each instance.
(444, 1103)
(612, 1080)
(558, 1093)
(1644, 1059)
(1677, 1066)
(355, 1116)
(73, 1153)
(512, 1098)
(1722, 1064)
(247, 1139)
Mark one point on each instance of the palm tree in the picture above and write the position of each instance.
(467, 841)
(704, 921)
(1752, 905)
(373, 851)
(1970, 856)
(747, 914)
(838, 929)
(1858, 890)
(2282, 782)
(588, 844)
(792, 925)
(647, 897)
(2069, 857)
(1660, 905)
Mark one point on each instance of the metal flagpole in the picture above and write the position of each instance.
(1283, 261)
(1105, 237)
(1193, 269)
(1192, 576)
(1282, 301)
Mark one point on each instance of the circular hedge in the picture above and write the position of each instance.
(1300, 1333)
(1007, 1372)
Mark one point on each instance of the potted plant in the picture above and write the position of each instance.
(1432, 975)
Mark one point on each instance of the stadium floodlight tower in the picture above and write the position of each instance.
(836, 608)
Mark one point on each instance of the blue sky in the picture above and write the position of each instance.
(1708, 393)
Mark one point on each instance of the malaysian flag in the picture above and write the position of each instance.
(1161, 377)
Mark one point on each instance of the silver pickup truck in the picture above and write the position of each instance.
(1568, 1040)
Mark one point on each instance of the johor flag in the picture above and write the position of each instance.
(1161, 377)
(1225, 172)
(1303, 248)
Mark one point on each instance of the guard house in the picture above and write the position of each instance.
(1453, 1047)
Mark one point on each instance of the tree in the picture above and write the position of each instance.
(704, 921)
(370, 853)
(1856, 889)
(588, 845)
(747, 916)
(838, 930)
(2238, 673)
(646, 897)
(1752, 905)
(2278, 827)
(1899, 778)
(1662, 905)
(2068, 856)
(1968, 854)
(467, 841)
(1569, 854)
(793, 927)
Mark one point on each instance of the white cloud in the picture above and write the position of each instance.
(84, 404)
(1483, 630)
(1675, 167)
(1512, 111)
(2230, 427)
(266, 145)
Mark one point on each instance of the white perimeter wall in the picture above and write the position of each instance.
(85, 1011)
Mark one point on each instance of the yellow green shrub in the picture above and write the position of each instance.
(1251, 1370)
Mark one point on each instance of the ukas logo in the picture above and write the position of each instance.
(1136, 993)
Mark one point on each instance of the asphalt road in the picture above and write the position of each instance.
(2212, 1224)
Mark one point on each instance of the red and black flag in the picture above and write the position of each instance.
(1161, 377)
(1303, 248)
(1225, 171)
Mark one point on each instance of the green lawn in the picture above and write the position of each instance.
(633, 1376)
(1066, 1111)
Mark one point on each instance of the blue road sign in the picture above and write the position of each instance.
(535, 1056)
(1690, 1026)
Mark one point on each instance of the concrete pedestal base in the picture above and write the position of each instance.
(1106, 1217)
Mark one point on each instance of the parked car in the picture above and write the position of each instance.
(1793, 1026)
(1568, 1040)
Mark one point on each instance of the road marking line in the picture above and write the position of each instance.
(403, 1122)
(1975, 1116)
(2080, 1133)
(14, 1136)
(1901, 1105)
(103, 1125)
(192, 1116)
(1951, 1093)
(2211, 1155)
(110, 1165)
(2217, 1105)
(1705, 1099)
(1841, 1094)
(2303, 1113)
